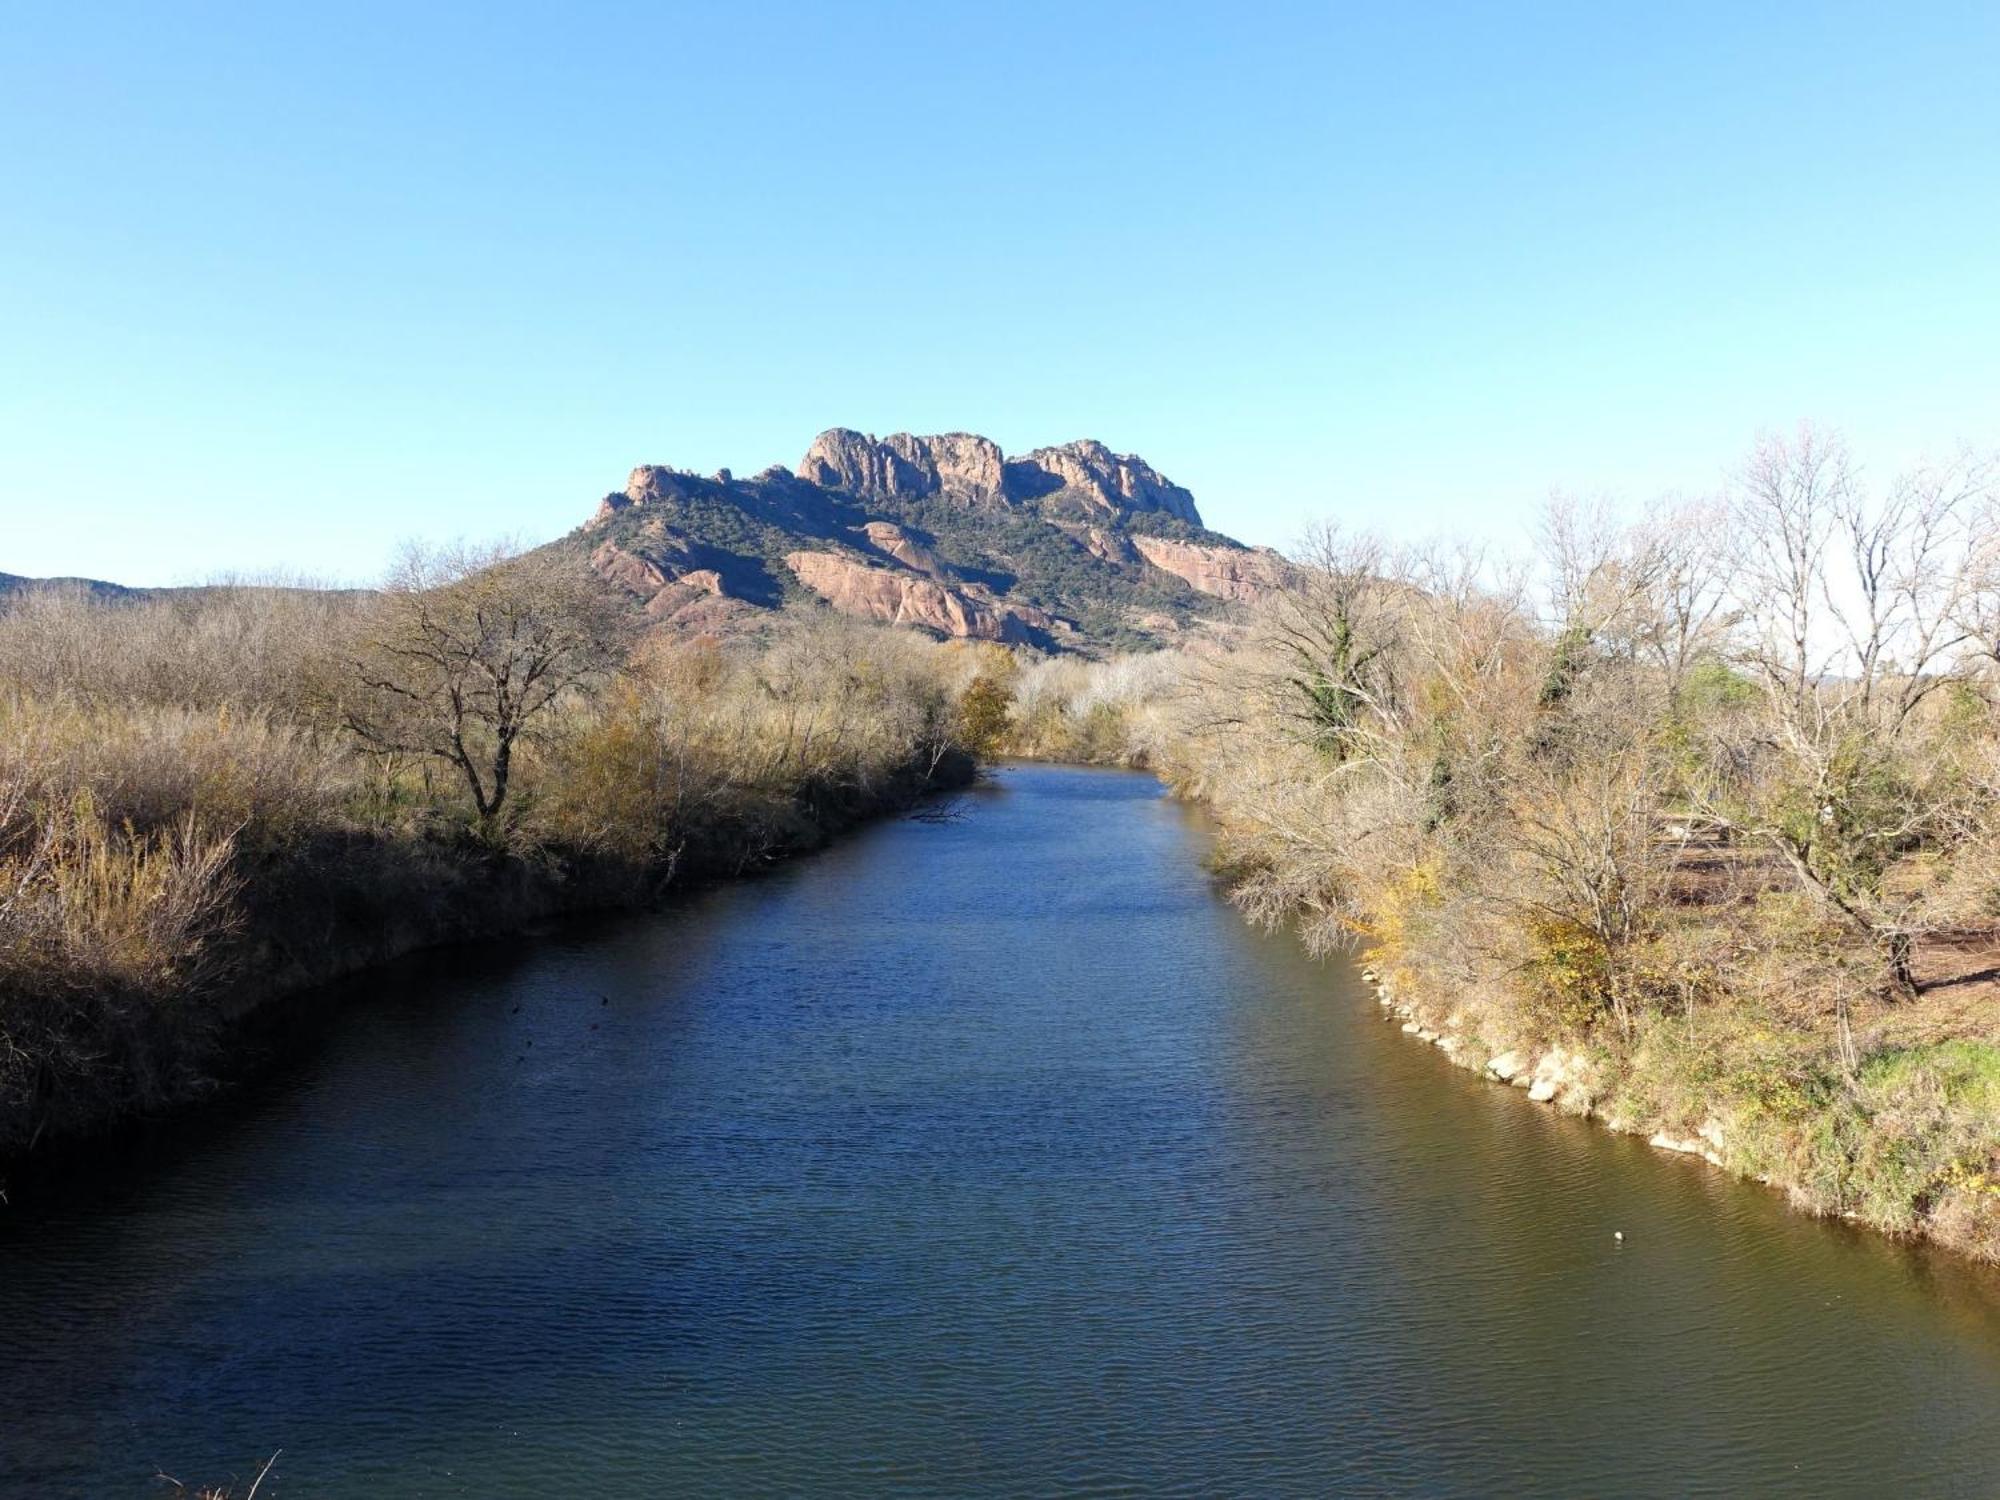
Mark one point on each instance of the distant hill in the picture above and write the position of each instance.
(14, 583)
(1068, 548)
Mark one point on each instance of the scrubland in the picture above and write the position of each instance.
(1694, 824)
(212, 798)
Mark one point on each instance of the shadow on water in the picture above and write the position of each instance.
(987, 1156)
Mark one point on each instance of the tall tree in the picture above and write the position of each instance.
(468, 651)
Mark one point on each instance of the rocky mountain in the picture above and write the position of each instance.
(1086, 476)
(1066, 548)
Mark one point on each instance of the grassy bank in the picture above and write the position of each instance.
(1648, 825)
(211, 800)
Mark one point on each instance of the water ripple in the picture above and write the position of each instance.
(993, 1157)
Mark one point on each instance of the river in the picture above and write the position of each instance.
(994, 1155)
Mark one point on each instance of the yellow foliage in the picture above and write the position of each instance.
(1389, 915)
(83, 904)
(1570, 967)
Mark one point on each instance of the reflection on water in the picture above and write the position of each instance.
(995, 1156)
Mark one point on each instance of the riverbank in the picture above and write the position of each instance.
(1897, 1145)
(338, 912)
(1532, 883)
(1889, 1119)
(196, 821)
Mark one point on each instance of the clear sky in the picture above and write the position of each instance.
(285, 284)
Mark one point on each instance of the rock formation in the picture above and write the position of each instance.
(943, 532)
(969, 469)
(960, 466)
(630, 571)
(1113, 547)
(899, 597)
(1236, 573)
(1090, 472)
(894, 541)
(668, 586)
(649, 483)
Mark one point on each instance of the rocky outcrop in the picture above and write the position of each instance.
(1239, 573)
(898, 596)
(702, 581)
(628, 570)
(1090, 472)
(697, 603)
(1562, 1077)
(665, 576)
(960, 466)
(895, 541)
(969, 469)
(651, 483)
(1106, 546)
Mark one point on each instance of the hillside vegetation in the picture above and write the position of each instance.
(1694, 826)
(211, 798)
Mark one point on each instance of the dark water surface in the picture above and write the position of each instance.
(994, 1157)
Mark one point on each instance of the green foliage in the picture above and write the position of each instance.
(1906, 1137)
(983, 714)
(1330, 683)
(1567, 659)
(1965, 1072)
(1911, 1132)
(1965, 718)
(1853, 819)
(1440, 798)
(1713, 687)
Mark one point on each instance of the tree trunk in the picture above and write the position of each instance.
(1898, 947)
(503, 764)
(1901, 951)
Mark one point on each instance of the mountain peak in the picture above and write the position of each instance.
(971, 470)
(961, 466)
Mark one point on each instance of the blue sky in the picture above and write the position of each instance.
(283, 285)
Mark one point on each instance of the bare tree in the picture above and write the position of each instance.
(467, 653)
(1859, 611)
(1587, 858)
(1910, 588)
(1686, 613)
(1334, 635)
(1789, 498)
(1598, 576)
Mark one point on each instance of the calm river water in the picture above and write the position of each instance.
(995, 1156)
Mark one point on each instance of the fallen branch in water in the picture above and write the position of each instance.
(216, 1492)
